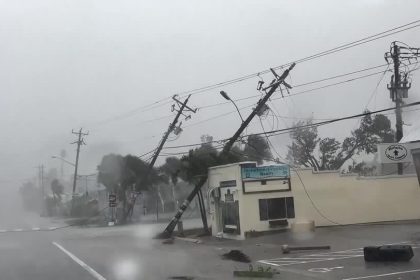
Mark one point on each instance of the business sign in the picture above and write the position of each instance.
(396, 152)
(265, 172)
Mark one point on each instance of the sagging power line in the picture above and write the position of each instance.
(276, 83)
(367, 39)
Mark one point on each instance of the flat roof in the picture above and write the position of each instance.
(232, 164)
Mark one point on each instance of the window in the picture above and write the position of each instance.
(263, 182)
(276, 208)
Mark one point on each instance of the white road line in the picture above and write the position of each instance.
(308, 261)
(80, 262)
(382, 275)
(52, 228)
(17, 229)
(36, 228)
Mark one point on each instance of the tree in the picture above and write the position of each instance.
(332, 154)
(171, 169)
(122, 175)
(57, 189)
(257, 149)
(195, 164)
(304, 141)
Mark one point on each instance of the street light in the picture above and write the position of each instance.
(62, 159)
(224, 94)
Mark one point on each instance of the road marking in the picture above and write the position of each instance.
(52, 228)
(80, 262)
(36, 228)
(321, 257)
(324, 269)
(382, 275)
(17, 229)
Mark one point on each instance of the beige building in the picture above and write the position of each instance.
(246, 198)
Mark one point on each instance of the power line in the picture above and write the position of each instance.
(276, 98)
(287, 130)
(364, 40)
(339, 48)
(298, 93)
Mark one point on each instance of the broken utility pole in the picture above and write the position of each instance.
(399, 85)
(80, 141)
(274, 85)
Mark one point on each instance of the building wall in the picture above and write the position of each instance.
(347, 199)
(250, 214)
(248, 203)
(339, 199)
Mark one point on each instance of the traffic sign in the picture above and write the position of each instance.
(112, 200)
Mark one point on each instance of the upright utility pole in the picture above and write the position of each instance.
(399, 85)
(41, 187)
(274, 85)
(80, 141)
(41, 180)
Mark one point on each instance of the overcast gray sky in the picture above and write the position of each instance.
(94, 63)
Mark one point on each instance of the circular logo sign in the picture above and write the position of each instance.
(396, 152)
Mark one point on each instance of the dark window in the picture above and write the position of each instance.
(290, 207)
(263, 182)
(276, 208)
(263, 209)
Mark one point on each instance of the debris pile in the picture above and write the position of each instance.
(237, 255)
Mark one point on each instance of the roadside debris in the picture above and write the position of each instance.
(193, 240)
(395, 253)
(286, 249)
(168, 241)
(261, 272)
(236, 255)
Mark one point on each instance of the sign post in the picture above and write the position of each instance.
(112, 203)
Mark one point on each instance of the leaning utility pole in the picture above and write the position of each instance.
(182, 106)
(80, 141)
(172, 127)
(259, 108)
(399, 85)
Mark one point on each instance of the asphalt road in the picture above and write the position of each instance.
(130, 253)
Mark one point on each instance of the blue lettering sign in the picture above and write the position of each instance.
(275, 171)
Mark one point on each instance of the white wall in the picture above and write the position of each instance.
(351, 199)
(250, 213)
(342, 199)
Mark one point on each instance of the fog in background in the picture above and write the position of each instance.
(95, 64)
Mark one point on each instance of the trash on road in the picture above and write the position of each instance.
(287, 249)
(253, 274)
(237, 255)
(193, 240)
(261, 272)
(168, 241)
